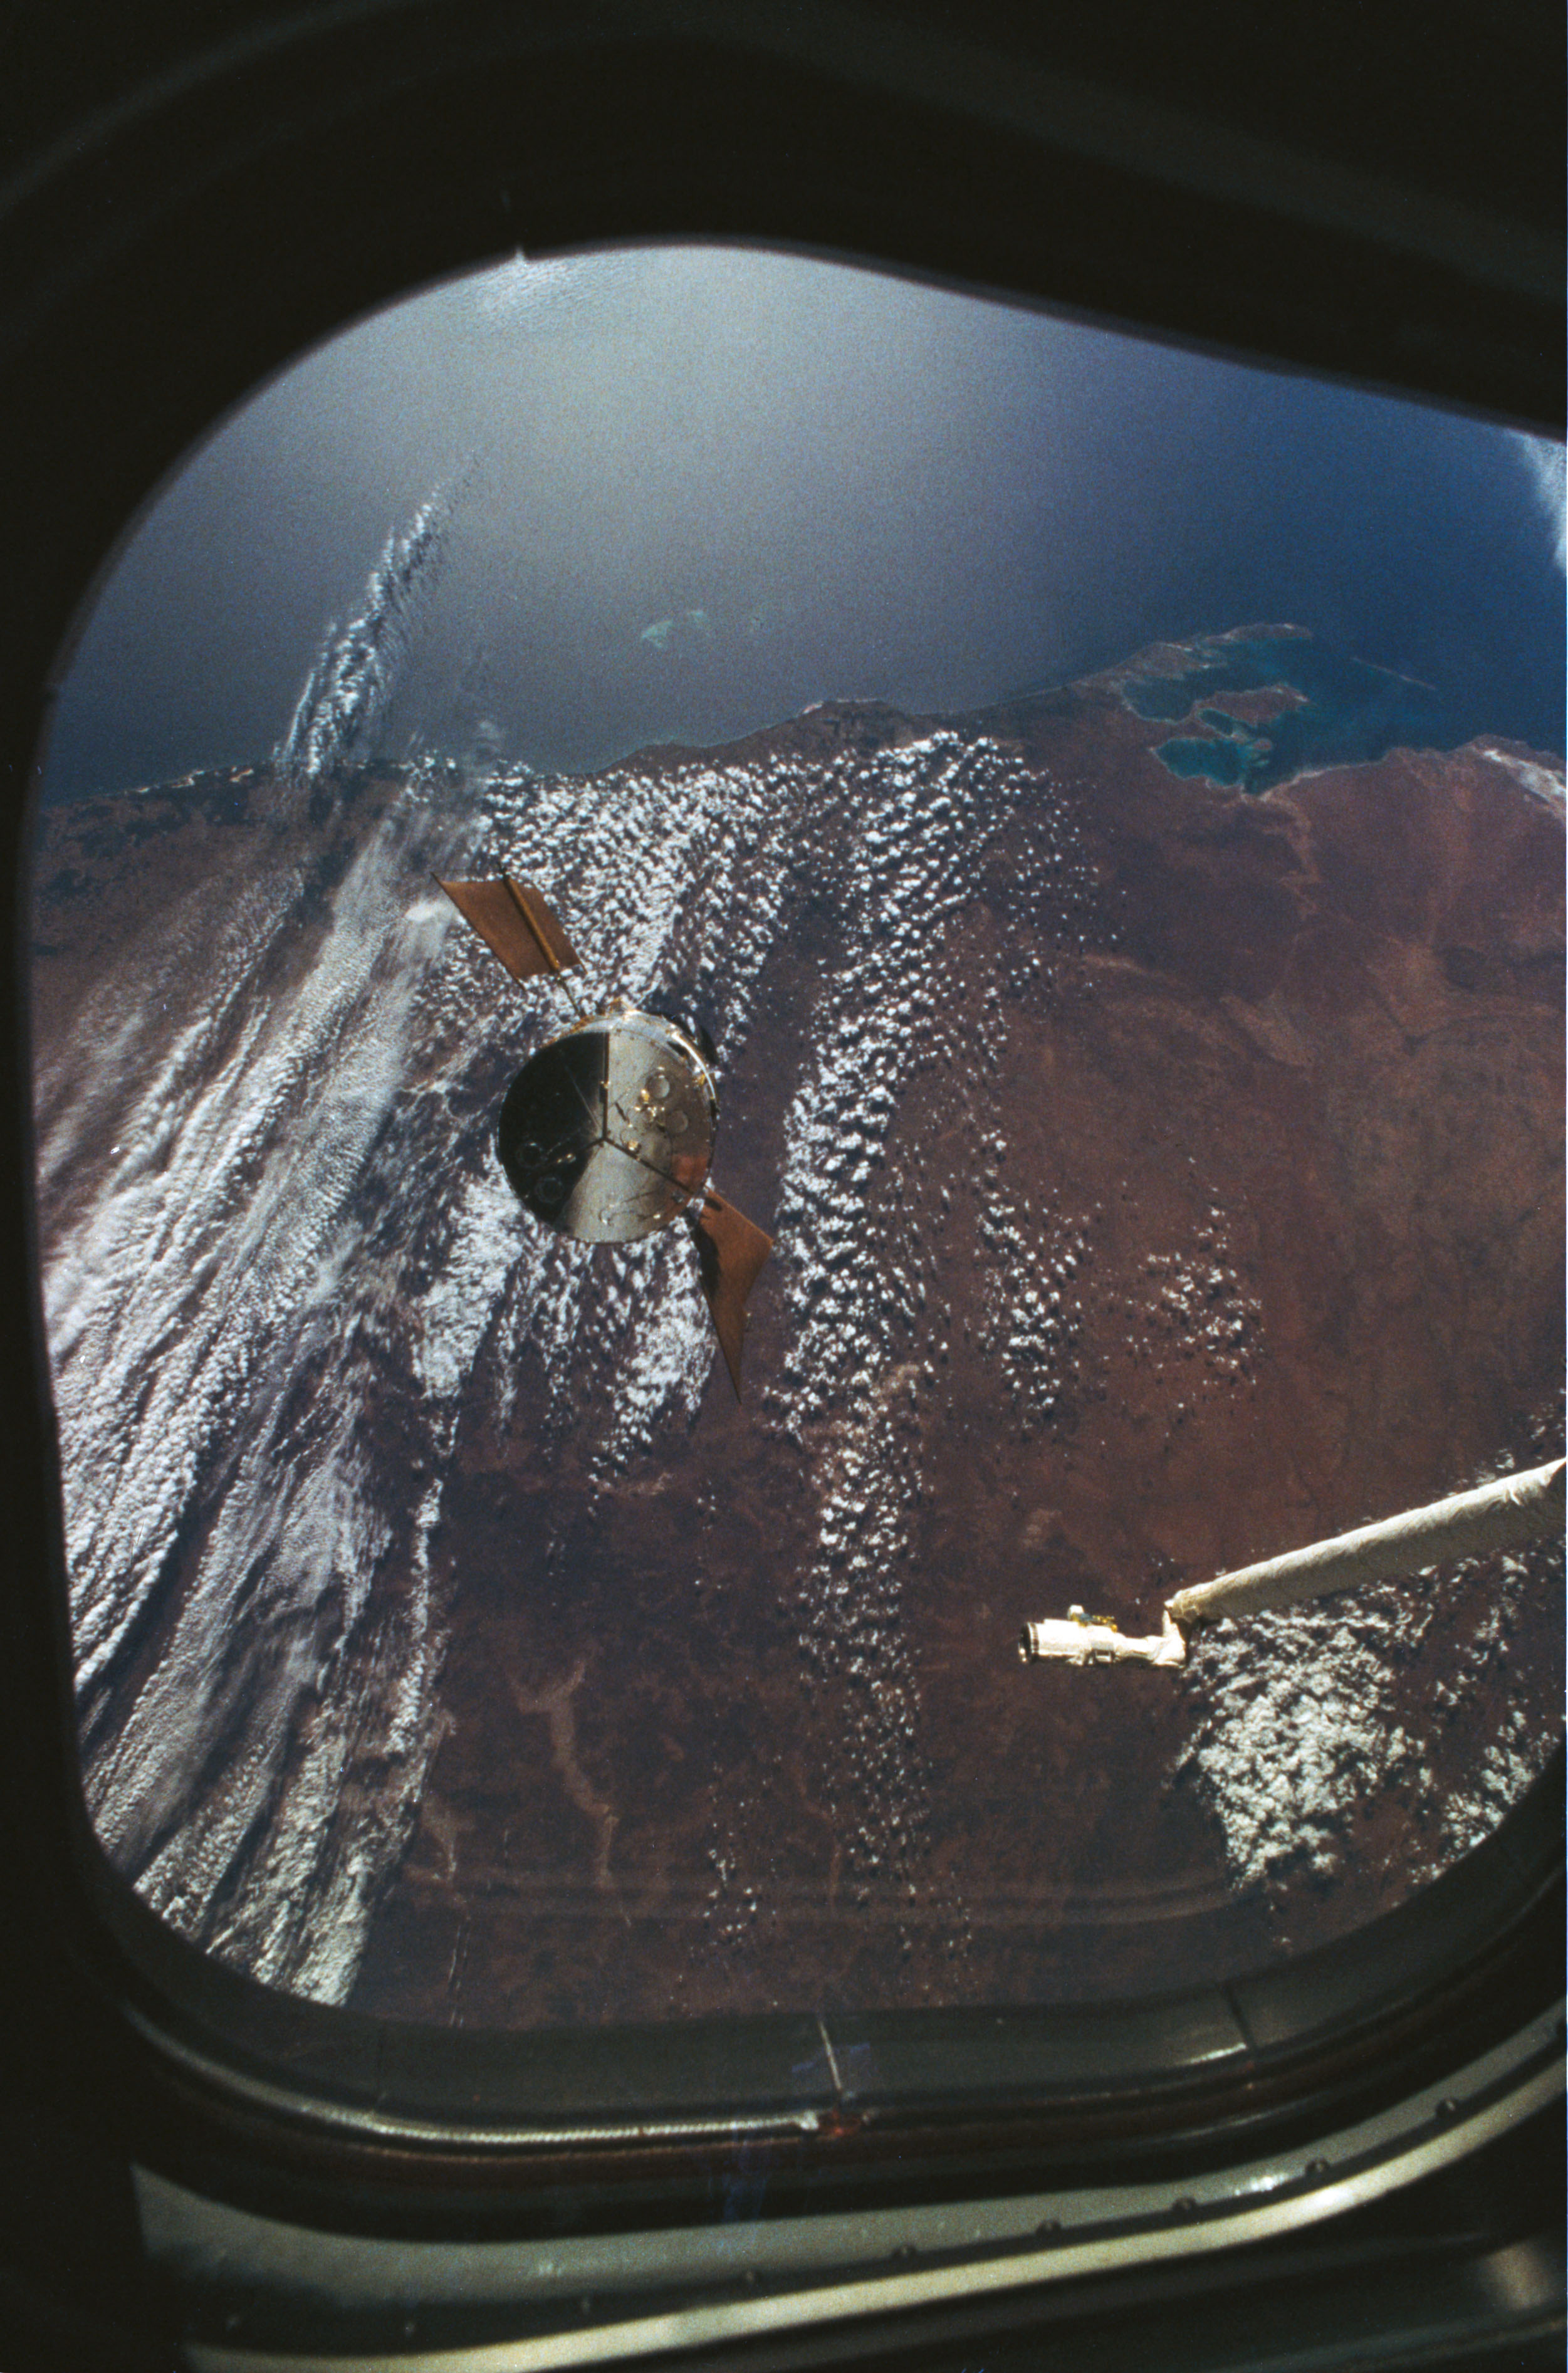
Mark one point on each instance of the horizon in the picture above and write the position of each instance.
(647, 497)
(271, 763)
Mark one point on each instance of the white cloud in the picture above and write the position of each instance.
(1547, 467)
(514, 286)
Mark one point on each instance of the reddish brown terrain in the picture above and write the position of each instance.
(1163, 1176)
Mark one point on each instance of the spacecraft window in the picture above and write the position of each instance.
(1093, 812)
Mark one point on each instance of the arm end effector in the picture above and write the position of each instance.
(1083, 1640)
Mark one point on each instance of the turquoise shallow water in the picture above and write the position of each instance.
(1349, 712)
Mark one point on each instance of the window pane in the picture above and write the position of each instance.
(1095, 814)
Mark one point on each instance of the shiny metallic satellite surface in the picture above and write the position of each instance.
(607, 1133)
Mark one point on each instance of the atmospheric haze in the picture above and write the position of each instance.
(688, 492)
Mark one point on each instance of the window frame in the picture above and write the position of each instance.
(132, 243)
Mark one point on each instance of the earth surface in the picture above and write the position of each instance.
(1153, 1087)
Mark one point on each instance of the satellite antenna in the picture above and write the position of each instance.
(607, 1134)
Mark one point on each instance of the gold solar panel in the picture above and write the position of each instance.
(514, 921)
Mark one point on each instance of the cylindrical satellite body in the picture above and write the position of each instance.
(607, 1133)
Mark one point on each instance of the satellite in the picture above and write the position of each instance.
(607, 1134)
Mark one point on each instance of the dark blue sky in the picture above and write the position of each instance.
(691, 490)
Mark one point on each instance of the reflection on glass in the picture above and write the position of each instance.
(1150, 1076)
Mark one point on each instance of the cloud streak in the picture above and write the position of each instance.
(1547, 467)
(350, 686)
